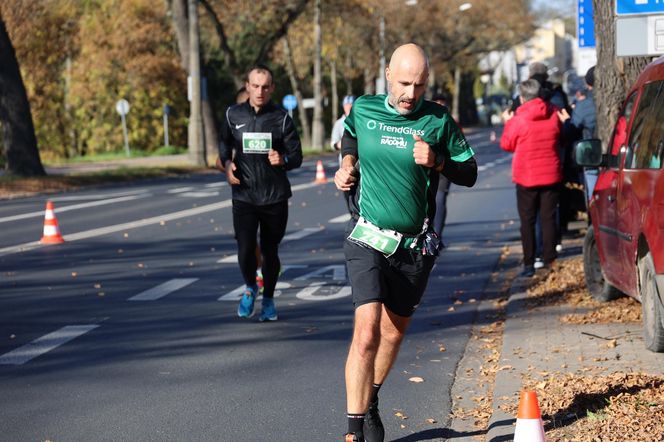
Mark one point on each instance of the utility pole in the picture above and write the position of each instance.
(195, 138)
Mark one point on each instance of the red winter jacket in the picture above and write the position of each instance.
(532, 134)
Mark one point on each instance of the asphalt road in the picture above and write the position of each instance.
(128, 331)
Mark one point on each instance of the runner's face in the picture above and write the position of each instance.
(260, 88)
(407, 84)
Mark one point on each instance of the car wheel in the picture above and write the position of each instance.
(651, 304)
(597, 285)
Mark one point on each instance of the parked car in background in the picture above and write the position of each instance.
(624, 248)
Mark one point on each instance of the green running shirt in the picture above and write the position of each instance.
(393, 189)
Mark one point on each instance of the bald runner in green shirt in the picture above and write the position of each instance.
(394, 149)
(393, 187)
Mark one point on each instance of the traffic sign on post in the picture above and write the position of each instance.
(639, 28)
(289, 102)
(122, 107)
(585, 24)
(629, 7)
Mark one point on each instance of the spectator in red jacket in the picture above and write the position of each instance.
(532, 133)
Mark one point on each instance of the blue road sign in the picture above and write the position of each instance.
(289, 102)
(585, 24)
(625, 7)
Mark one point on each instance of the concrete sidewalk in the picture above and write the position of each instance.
(536, 341)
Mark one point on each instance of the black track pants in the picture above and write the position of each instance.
(271, 219)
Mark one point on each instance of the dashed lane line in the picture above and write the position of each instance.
(163, 289)
(44, 344)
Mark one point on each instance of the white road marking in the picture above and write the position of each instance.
(340, 219)
(309, 293)
(199, 194)
(44, 344)
(136, 224)
(219, 184)
(75, 207)
(290, 237)
(179, 189)
(338, 273)
(97, 196)
(230, 259)
(163, 289)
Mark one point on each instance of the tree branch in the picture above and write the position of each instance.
(231, 60)
(271, 40)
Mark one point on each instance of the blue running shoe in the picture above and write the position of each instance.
(246, 307)
(269, 311)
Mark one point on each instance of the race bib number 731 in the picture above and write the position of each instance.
(256, 142)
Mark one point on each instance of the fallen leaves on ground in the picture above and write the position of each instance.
(565, 285)
(615, 407)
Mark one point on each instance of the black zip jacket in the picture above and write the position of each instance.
(260, 182)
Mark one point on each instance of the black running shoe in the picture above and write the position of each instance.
(352, 437)
(373, 426)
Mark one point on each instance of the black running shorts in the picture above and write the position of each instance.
(397, 281)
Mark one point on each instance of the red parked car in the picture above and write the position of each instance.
(624, 248)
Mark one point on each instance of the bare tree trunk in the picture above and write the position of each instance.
(20, 143)
(181, 25)
(297, 91)
(369, 81)
(613, 76)
(318, 129)
(335, 91)
(347, 78)
(196, 134)
(456, 92)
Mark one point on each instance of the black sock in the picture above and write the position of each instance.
(374, 392)
(355, 423)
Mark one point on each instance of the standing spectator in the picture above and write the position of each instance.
(266, 146)
(584, 119)
(532, 134)
(338, 128)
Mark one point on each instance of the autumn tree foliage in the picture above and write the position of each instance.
(127, 51)
(78, 58)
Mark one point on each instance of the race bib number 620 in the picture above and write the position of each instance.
(256, 142)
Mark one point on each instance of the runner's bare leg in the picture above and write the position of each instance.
(362, 356)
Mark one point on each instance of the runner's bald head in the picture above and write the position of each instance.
(407, 77)
(411, 57)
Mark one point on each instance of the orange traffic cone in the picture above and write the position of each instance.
(51, 229)
(528, 419)
(492, 136)
(320, 173)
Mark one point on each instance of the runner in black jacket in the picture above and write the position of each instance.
(258, 145)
